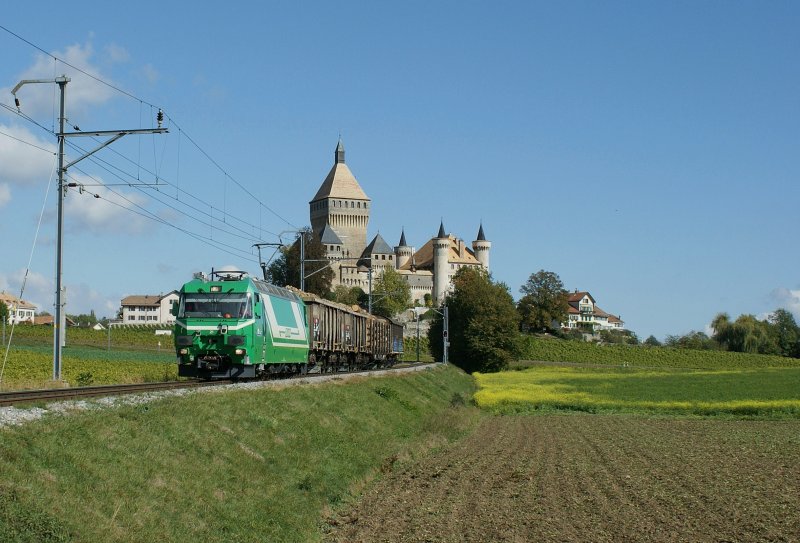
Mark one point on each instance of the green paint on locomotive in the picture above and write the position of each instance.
(240, 327)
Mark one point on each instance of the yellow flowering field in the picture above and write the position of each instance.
(746, 392)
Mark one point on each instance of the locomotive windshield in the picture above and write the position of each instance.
(216, 305)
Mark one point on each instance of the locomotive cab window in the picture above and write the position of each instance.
(236, 305)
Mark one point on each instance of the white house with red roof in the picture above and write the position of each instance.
(584, 313)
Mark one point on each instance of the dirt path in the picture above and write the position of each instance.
(592, 478)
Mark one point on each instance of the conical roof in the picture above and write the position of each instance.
(481, 236)
(441, 233)
(378, 246)
(329, 236)
(340, 182)
(403, 238)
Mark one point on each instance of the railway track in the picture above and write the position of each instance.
(61, 394)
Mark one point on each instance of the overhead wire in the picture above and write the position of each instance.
(173, 121)
(109, 167)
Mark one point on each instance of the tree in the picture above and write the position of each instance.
(3, 312)
(621, 337)
(785, 333)
(693, 340)
(285, 271)
(483, 323)
(544, 304)
(651, 341)
(346, 295)
(391, 294)
(746, 334)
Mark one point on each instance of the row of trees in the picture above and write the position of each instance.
(777, 334)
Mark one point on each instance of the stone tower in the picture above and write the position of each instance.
(441, 274)
(481, 248)
(403, 251)
(341, 203)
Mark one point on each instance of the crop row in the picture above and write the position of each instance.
(555, 350)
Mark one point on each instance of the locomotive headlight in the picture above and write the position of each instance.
(239, 351)
(184, 351)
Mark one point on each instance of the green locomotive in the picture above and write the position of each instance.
(232, 326)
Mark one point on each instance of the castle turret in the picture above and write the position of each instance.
(441, 273)
(341, 203)
(403, 251)
(481, 248)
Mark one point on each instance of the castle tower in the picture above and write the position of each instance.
(341, 203)
(441, 273)
(481, 248)
(403, 252)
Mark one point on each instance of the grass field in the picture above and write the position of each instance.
(260, 465)
(755, 392)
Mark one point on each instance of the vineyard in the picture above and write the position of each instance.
(556, 350)
(124, 354)
(137, 337)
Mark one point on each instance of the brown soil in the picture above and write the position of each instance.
(592, 478)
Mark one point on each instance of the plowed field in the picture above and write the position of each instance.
(592, 478)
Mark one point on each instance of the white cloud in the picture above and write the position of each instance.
(82, 90)
(150, 73)
(23, 164)
(114, 212)
(788, 299)
(117, 53)
(5, 194)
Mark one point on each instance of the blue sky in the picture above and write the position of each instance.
(648, 152)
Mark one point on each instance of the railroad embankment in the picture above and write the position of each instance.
(243, 465)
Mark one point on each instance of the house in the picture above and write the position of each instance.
(583, 313)
(47, 320)
(18, 310)
(149, 308)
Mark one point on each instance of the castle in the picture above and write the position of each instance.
(339, 217)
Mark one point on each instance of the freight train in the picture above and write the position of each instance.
(233, 326)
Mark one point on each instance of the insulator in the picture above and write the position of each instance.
(160, 117)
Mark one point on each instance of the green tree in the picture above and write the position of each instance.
(746, 334)
(346, 295)
(651, 341)
(483, 323)
(785, 333)
(3, 312)
(285, 270)
(391, 294)
(695, 340)
(544, 304)
(620, 337)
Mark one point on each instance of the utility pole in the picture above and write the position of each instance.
(62, 193)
